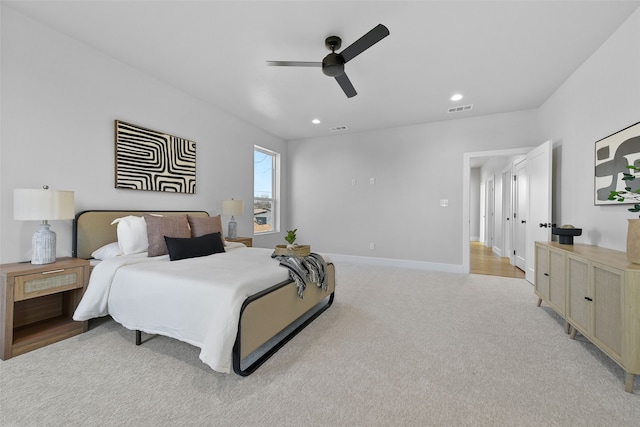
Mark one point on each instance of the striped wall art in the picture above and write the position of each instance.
(154, 161)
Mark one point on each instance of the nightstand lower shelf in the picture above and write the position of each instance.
(44, 332)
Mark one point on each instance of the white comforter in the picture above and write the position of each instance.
(195, 300)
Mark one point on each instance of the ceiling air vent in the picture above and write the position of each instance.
(338, 129)
(461, 108)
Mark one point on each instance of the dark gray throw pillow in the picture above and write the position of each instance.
(182, 247)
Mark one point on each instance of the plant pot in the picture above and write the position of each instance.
(633, 241)
(298, 250)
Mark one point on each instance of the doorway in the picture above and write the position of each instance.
(492, 179)
(538, 188)
(482, 256)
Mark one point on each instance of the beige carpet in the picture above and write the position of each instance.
(398, 348)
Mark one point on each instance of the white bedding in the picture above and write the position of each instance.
(195, 300)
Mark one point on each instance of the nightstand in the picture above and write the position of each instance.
(248, 241)
(37, 304)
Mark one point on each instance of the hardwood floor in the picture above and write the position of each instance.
(484, 261)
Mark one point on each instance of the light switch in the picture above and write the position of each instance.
(372, 181)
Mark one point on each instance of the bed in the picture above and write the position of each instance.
(258, 309)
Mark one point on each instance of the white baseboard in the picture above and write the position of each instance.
(475, 239)
(389, 262)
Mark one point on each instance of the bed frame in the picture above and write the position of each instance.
(268, 319)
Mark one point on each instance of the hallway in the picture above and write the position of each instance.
(484, 261)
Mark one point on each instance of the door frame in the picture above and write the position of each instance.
(466, 193)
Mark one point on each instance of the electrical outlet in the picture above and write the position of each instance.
(353, 181)
(372, 246)
(372, 181)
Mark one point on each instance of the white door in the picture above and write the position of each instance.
(521, 206)
(506, 214)
(539, 216)
(489, 213)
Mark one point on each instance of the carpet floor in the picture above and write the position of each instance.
(399, 347)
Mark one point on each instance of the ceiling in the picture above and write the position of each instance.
(502, 55)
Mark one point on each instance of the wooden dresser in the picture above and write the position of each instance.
(597, 291)
(37, 304)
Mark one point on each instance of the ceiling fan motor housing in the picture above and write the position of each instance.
(333, 65)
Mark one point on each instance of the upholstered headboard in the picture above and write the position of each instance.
(93, 229)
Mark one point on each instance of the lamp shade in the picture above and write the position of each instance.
(232, 207)
(32, 204)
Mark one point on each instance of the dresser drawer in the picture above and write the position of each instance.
(47, 282)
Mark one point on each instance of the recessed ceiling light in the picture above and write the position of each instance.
(315, 121)
(457, 97)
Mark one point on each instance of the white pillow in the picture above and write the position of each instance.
(132, 234)
(109, 250)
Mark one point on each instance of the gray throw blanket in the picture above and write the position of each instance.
(311, 268)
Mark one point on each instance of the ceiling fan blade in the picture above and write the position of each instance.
(346, 85)
(365, 42)
(294, 64)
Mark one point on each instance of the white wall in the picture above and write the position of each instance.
(59, 101)
(600, 98)
(413, 167)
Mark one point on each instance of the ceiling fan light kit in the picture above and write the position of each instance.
(333, 64)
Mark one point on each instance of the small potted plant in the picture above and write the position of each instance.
(291, 238)
(292, 248)
(633, 231)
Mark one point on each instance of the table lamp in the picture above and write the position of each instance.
(232, 207)
(43, 205)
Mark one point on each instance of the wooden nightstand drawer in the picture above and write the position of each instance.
(47, 282)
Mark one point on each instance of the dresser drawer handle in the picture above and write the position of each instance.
(53, 271)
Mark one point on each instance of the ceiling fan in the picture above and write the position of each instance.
(333, 64)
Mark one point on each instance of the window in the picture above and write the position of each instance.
(265, 190)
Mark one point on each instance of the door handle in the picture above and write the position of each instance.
(524, 221)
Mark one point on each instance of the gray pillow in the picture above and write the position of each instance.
(207, 225)
(160, 226)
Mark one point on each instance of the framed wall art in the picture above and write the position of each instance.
(612, 156)
(154, 161)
